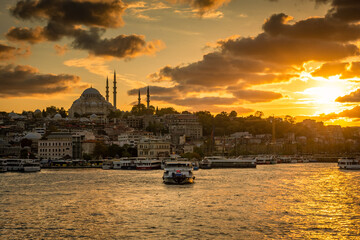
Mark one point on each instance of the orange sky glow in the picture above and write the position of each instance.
(285, 57)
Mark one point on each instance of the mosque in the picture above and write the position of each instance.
(91, 102)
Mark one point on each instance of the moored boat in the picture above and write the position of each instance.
(107, 165)
(178, 173)
(222, 162)
(349, 163)
(148, 164)
(3, 165)
(31, 166)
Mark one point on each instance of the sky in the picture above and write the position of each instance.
(281, 57)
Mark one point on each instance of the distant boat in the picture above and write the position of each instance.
(176, 172)
(222, 162)
(349, 163)
(265, 159)
(138, 163)
(107, 165)
(23, 165)
(3, 165)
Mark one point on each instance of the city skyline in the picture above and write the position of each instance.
(297, 58)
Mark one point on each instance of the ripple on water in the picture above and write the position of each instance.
(284, 201)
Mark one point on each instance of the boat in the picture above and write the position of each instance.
(350, 163)
(30, 165)
(148, 164)
(222, 162)
(107, 165)
(3, 165)
(178, 172)
(265, 159)
(125, 163)
(23, 165)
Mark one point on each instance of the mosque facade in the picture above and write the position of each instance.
(92, 102)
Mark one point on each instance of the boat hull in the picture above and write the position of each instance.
(179, 180)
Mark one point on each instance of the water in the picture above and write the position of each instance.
(284, 201)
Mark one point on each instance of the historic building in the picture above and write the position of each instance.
(92, 102)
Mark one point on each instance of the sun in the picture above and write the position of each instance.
(324, 94)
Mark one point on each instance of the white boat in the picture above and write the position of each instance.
(3, 165)
(30, 165)
(148, 164)
(350, 163)
(23, 165)
(222, 162)
(138, 163)
(125, 163)
(178, 173)
(265, 159)
(107, 165)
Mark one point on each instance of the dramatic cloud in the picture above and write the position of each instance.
(312, 28)
(352, 97)
(20, 81)
(9, 52)
(286, 50)
(345, 10)
(63, 19)
(121, 46)
(72, 12)
(346, 70)
(218, 69)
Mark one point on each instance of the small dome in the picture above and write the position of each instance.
(37, 111)
(33, 136)
(93, 116)
(57, 116)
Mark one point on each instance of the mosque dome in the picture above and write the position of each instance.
(90, 102)
(37, 111)
(91, 92)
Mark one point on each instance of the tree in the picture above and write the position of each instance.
(169, 110)
(51, 111)
(259, 114)
(233, 114)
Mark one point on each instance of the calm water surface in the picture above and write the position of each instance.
(284, 201)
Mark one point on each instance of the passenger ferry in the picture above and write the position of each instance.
(3, 165)
(138, 163)
(107, 165)
(178, 173)
(148, 164)
(350, 163)
(222, 162)
(265, 159)
(23, 165)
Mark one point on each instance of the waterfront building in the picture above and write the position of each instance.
(150, 147)
(56, 146)
(183, 124)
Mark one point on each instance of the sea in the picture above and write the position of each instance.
(281, 201)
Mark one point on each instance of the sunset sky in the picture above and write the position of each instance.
(284, 57)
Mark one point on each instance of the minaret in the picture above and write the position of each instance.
(148, 98)
(114, 89)
(107, 89)
(139, 99)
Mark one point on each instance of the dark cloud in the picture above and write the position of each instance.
(312, 28)
(22, 80)
(9, 52)
(285, 50)
(345, 10)
(72, 12)
(352, 97)
(218, 69)
(122, 46)
(345, 69)
(31, 35)
(63, 18)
